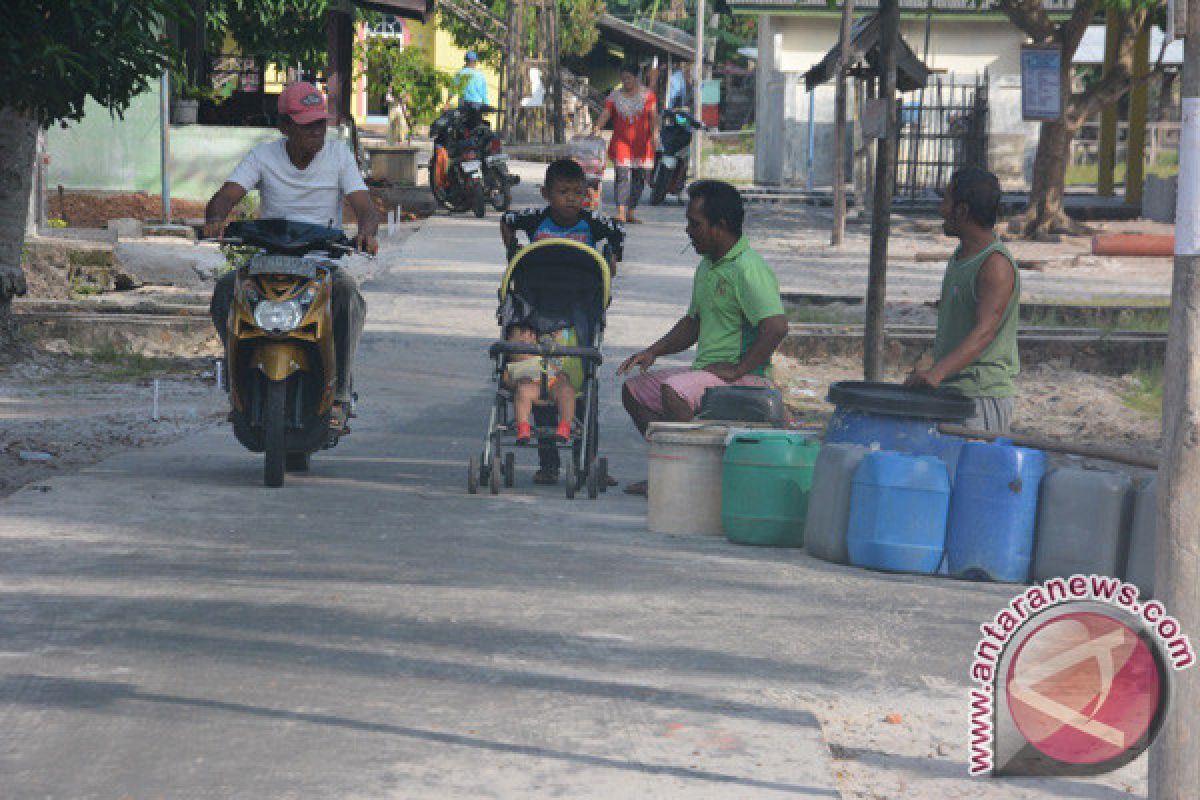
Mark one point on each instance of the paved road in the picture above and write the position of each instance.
(171, 629)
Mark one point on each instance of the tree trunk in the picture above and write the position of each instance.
(1044, 214)
(18, 137)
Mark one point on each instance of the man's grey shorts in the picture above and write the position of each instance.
(993, 414)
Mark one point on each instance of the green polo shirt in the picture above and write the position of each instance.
(730, 297)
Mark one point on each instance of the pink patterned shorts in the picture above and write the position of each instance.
(686, 382)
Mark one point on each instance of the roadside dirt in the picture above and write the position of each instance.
(86, 210)
(59, 413)
(888, 745)
(94, 210)
(46, 281)
(1053, 402)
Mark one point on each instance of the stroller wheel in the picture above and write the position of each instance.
(602, 470)
(510, 470)
(494, 476)
(569, 478)
(593, 482)
(473, 475)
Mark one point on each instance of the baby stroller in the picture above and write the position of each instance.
(589, 152)
(549, 286)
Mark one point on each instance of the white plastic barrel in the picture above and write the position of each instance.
(686, 467)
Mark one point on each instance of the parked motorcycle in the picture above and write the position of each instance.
(669, 175)
(281, 371)
(497, 182)
(468, 167)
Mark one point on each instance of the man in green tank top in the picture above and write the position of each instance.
(975, 347)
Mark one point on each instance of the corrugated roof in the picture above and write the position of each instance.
(409, 9)
(618, 30)
(911, 74)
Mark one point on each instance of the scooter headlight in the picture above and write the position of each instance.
(279, 317)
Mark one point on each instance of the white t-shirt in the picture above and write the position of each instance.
(313, 194)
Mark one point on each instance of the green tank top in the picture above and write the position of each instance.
(992, 373)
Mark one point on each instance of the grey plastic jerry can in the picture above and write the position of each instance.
(829, 501)
(1083, 523)
(1139, 566)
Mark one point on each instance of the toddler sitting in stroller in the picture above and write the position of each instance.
(525, 374)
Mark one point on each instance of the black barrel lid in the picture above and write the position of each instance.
(896, 400)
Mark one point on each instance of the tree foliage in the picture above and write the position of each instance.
(281, 32)
(407, 74)
(1045, 211)
(57, 54)
(576, 29)
(577, 26)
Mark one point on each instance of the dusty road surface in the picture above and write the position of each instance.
(171, 629)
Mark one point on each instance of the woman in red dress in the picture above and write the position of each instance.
(634, 114)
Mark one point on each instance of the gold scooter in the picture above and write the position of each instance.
(281, 364)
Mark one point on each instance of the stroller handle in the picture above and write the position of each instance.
(518, 348)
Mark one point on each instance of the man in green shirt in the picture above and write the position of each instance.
(975, 347)
(735, 318)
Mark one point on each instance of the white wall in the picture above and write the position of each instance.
(793, 45)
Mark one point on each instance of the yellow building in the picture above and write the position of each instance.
(438, 44)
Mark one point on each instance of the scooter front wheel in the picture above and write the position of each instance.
(275, 433)
(298, 462)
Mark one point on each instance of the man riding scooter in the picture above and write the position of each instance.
(303, 178)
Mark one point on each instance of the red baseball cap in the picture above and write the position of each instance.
(303, 102)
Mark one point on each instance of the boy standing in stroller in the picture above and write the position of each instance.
(565, 190)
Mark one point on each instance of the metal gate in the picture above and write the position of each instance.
(941, 128)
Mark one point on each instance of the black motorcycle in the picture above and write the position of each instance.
(497, 182)
(671, 159)
(468, 168)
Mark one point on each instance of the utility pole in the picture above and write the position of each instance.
(1174, 767)
(164, 144)
(698, 85)
(839, 126)
(1106, 156)
(885, 177)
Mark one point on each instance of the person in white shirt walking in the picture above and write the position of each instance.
(303, 177)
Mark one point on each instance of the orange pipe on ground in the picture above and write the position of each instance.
(1133, 244)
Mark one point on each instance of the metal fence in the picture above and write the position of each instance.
(941, 128)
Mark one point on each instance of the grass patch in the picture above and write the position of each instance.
(1146, 395)
(1102, 301)
(1144, 319)
(729, 146)
(114, 364)
(81, 287)
(1088, 174)
(817, 315)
